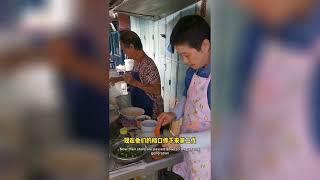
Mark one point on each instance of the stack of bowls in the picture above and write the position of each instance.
(129, 115)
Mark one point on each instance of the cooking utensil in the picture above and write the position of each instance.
(127, 160)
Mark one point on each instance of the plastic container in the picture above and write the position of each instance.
(124, 88)
(129, 63)
(123, 134)
(148, 125)
(141, 118)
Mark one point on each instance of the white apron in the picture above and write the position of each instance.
(197, 118)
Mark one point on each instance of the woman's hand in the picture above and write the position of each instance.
(112, 81)
(129, 79)
(165, 118)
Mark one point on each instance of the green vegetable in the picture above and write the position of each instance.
(128, 151)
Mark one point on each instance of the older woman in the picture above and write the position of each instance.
(144, 79)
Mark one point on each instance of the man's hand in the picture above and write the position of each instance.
(166, 118)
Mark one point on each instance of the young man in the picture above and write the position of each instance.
(191, 38)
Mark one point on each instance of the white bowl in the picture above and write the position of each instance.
(148, 125)
(141, 118)
(132, 112)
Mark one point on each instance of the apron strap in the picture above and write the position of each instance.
(209, 78)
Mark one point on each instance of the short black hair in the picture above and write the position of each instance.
(129, 37)
(192, 30)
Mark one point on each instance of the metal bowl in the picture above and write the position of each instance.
(127, 160)
(131, 112)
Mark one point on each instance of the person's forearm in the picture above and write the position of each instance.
(116, 79)
(149, 88)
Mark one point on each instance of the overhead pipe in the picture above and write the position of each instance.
(139, 15)
(120, 3)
